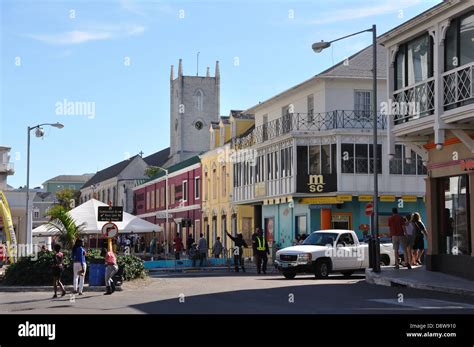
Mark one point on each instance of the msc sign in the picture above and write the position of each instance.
(316, 183)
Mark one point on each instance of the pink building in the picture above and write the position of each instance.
(184, 199)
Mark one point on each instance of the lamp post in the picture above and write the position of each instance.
(319, 47)
(39, 133)
(166, 206)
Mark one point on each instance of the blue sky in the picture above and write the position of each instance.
(78, 50)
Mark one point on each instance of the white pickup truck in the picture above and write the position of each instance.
(326, 251)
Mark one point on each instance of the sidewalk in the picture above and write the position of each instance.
(69, 289)
(420, 278)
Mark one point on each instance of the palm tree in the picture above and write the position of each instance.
(66, 225)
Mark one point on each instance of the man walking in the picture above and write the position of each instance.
(238, 251)
(397, 231)
(178, 246)
(260, 246)
(217, 248)
(202, 248)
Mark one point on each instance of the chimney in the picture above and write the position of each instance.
(207, 72)
(180, 68)
(172, 73)
(218, 74)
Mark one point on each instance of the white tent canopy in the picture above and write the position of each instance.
(87, 214)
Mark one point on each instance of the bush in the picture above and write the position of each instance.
(27, 271)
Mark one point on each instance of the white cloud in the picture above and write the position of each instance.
(81, 36)
(381, 8)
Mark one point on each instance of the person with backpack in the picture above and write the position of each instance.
(238, 251)
(58, 268)
(420, 234)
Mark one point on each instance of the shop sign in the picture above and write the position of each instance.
(321, 200)
(387, 198)
(316, 183)
(344, 197)
(366, 198)
(319, 207)
(409, 198)
(467, 165)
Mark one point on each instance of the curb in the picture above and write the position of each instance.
(374, 278)
(69, 289)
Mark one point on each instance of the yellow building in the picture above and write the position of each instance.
(219, 214)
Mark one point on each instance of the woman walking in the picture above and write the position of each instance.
(58, 268)
(79, 266)
(410, 234)
(420, 234)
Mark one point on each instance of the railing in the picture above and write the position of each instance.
(309, 122)
(7, 167)
(458, 86)
(414, 102)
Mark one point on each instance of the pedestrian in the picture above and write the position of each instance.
(128, 244)
(397, 232)
(58, 268)
(238, 251)
(178, 246)
(217, 248)
(111, 269)
(142, 244)
(410, 234)
(189, 243)
(261, 246)
(193, 253)
(420, 234)
(202, 248)
(153, 243)
(79, 266)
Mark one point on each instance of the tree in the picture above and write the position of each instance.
(65, 196)
(152, 171)
(62, 221)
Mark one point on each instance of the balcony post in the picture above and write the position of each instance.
(438, 68)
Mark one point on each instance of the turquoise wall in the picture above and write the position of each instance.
(284, 216)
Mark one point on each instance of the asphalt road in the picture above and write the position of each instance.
(229, 293)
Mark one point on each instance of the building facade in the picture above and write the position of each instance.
(312, 151)
(431, 87)
(194, 104)
(181, 200)
(73, 182)
(219, 214)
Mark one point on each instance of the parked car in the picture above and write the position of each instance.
(326, 251)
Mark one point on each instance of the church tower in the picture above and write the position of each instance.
(194, 104)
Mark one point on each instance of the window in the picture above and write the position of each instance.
(326, 159)
(283, 162)
(197, 188)
(361, 158)
(172, 194)
(152, 199)
(264, 127)
(302, 160)
(214, 184)
(147, 200)
(36, 214)
(199, 100)
(399, 166)
(459, 42)
(206, 187)
(185, 190)
(310, 103)
(454, 216)
(223, 181)
(286, 119)
(346, 240)
(414, 62)
(347, 157)
(314, 160)
(362, 103)
(379, 159)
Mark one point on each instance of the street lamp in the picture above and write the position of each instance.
(39, 133)
(319, 47)
(166, 205)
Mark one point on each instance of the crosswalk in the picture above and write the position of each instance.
(424, 303)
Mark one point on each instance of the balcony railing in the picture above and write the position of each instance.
(7, 167)
(458, 86)
(414, 102)
(294, 122)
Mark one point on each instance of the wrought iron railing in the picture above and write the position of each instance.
(458, 86)
(414, 102)
(323, 121)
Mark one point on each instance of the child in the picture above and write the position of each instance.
(58, 268)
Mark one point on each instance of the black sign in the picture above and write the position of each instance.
(110, 214)
(315, 184)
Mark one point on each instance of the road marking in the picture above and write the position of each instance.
(425, 304)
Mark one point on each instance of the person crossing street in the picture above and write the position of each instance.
(238, 251)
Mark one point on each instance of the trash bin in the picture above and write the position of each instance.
(97, 274)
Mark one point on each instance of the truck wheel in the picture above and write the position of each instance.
(289, 275)
(321, 269)
(347, 273)
(384, 260)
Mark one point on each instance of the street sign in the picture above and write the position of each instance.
(369, 209)
(110, 230)
(161, 214)
(110, 214)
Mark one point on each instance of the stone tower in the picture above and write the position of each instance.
(194, 104)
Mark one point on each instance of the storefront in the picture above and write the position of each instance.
(450, 194)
